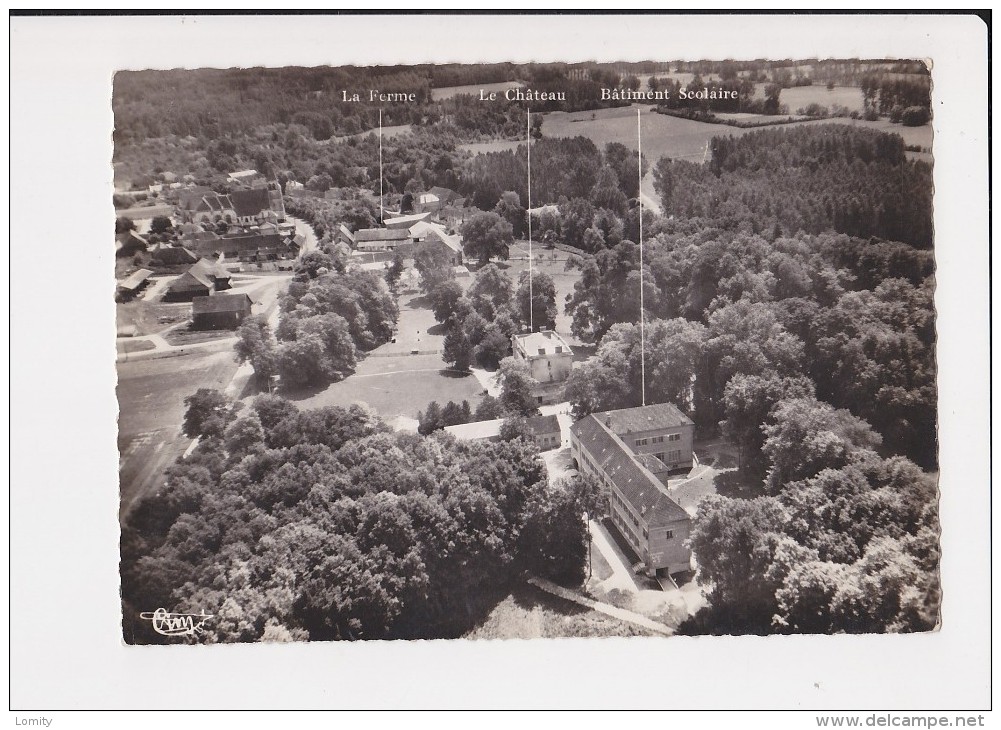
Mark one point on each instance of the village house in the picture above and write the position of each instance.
(201, 280)
(129, 243)
(225, 311)
(622, 450)
(549, 359)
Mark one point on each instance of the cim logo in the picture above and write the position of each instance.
(175, 624)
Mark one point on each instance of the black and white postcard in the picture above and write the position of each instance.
(639, 346)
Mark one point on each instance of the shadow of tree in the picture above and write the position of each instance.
(735, 485)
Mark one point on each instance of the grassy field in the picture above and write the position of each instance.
(798, 97)
(685, 139)
(394, 386)
(529, 613)
(447, 92)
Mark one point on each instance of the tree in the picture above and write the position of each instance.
(576, 216)
(444, 298)
(493, 347)
(543, 301)
(430, 420)
(244, 436)
(509, 208)
(395, 270)
(490, 291)
(160, 224)
(314, 263)
(457, 349)
(486, 235)
(748, 401)
(433, 264)
(516, 387)
(516, 427)
(489, 409)
(256, 345)
(208, 413)
(806, 436)
(555, 537)
(124, 224)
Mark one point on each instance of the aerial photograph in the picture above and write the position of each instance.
(526, 350)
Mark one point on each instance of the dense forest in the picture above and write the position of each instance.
(286, 524)
(841, 178)
(813, 353)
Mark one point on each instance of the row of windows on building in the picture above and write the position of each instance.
(658, 439)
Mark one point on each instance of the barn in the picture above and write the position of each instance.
(219, 312)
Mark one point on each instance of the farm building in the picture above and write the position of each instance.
(222, 312)
(549, 359)
(203, 278)
(129, 243)
(166, 255)
(383, 239)
(344, 235)
(406, 221)
(435, 234)
(135, 283)
(250, 247)
(604, 446)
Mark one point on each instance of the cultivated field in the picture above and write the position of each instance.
(151, 397)
(447, 92)
(799, 97)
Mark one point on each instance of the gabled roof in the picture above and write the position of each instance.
(221, 303)
(636, 483)
(405, 221)
(425, 198)
(451, 241)
(381, 234)
(346, 232)
(476, 429)
(250, 202)
(442, 193)
(543, 424)
(190, 281)
(209, 269)
(645, 418)
(135, 280)
(240, 174)
(273, 242)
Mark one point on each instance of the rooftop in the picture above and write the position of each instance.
(645, 418)
(250, 202)
(405, 221)
(381, 234)
(221, 303)
(544, 342)
(635, 482)
(136, 279)
(476, 430)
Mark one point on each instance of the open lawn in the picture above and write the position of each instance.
(396, 386)
(529, 613)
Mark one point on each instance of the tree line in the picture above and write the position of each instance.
(325, 525)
